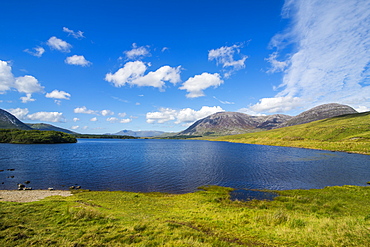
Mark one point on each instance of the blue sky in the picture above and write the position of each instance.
(105, 66)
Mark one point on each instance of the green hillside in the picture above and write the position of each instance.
(350, 133)
(34, 137)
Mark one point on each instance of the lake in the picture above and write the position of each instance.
(176, 166)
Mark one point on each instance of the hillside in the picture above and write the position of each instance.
(8, 121)
(43, 126)
(350, 133)
(229, 123)
(318, 113)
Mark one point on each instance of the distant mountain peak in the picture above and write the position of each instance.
(9, 121)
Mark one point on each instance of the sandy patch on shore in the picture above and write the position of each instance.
(30, 195)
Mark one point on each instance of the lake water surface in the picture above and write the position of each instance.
(176, 166)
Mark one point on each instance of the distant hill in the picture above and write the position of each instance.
(43, 126)
(231, 123)
(318, 113)
(140, 133)
(8, 121)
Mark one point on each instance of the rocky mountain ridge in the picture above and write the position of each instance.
(229, 123)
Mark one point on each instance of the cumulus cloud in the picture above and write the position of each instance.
(116, 120)
(37, 51)
(24, 84)
(122, 114)
(94, 119)
(83, 110)
(58, 44)
(20, 113)
(56, 94)
(77, 60)
(77, 35)
(137, 52)
(195, 85)
(27, 98)
(106, 112)
(47, 117)
(76, 119)
(225, 56)
(277, 104)
(126, 120)
(133, 74)
(75, 127)
(331, 57)
(186, 115)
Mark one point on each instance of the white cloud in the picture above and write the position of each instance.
(137, 52)
(75, 127)
(58, 44)
(84, 110)
(186, 115)
(122, 114)
(27, 98)
(76, 119)
(106, 112)
(76, 35)
(225, 56)
(94, 119)
(77, 60)
(362, 108)
(47, 117)
(27, 84)
(23, 84)
(277, 104)
(133, 73)
(37, 51)
(276, 66)
(126, 120)
(224, 102)
(331, 57)
(6, 77)
(112, 119)
(56, 94)
(195, 85)
(19, 113)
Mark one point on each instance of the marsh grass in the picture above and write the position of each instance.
(349, 133)
(333, 216)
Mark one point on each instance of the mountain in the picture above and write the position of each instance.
(140, 133)
(230, 123)
(42, 126)
(318, 113)
(8, 121)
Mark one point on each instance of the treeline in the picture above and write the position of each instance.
(34, 137)
(104, 136)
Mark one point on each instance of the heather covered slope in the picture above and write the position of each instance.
(350, 133)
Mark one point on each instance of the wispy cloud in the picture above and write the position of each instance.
(77, 35)
(223, 101)
(137, 52)
(226, 57)
(331, 57)
(37, 51)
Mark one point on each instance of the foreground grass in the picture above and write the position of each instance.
(349, 133)
(334, 216)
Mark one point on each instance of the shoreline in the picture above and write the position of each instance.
(30, 195)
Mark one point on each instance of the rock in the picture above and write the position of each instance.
(21, 186)
(72, 187)
(27, 182)
(50, 188)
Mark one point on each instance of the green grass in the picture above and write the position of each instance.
(334, 216)
(349, 133)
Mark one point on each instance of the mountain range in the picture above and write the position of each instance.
(221, 123)
(230, 123)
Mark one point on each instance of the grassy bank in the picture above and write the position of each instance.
(349, 133)
(334, 216)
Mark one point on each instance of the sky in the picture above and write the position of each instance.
(104, 66)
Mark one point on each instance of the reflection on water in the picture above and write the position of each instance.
(176, 166)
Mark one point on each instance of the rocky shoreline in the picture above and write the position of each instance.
(30, 195)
